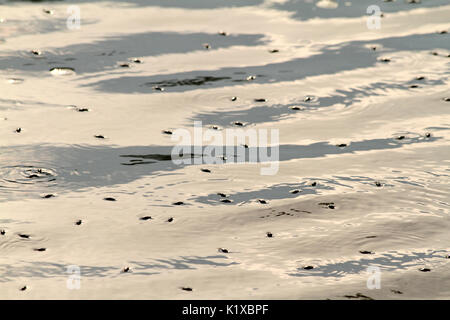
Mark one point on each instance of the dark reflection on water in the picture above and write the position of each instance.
(253, 115)
(386, 261)
(197, 4)
(187, 4)
(391, 260)
(301, 9)
(285, 190)
(281, 191)
(77, 167)
(197, 81)
(109, 52)
(349, 56)
(159, 157)
(183, 263)
(42, 269)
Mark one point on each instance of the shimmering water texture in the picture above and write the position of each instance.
(88, 122)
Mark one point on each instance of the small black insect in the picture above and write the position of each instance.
(295, 191)
(308, 267)
(145, 218)
(274, 51)
(205, 170)
(314, 184)
(262, 201)
(109, 199)
(260, 100)
(233, 98)
(19, 130)
(425, 269)
(2, 232)
(396, 291)
(365, 252)
(223, 250)
(47, 196)
(179, 203)
(238, 123)
(359, 295)
(99, 136)
(78, 222)
(24, 236)
(186, 289)
(126, 269)
(170, 219)
(167, 132)
(23, 288)
(378, 184)
(40, 249)
(269, 234)
(400, 137)
(342, 145)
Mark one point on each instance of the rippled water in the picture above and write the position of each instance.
(89, 114)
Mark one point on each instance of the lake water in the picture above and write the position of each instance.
(354, 199)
